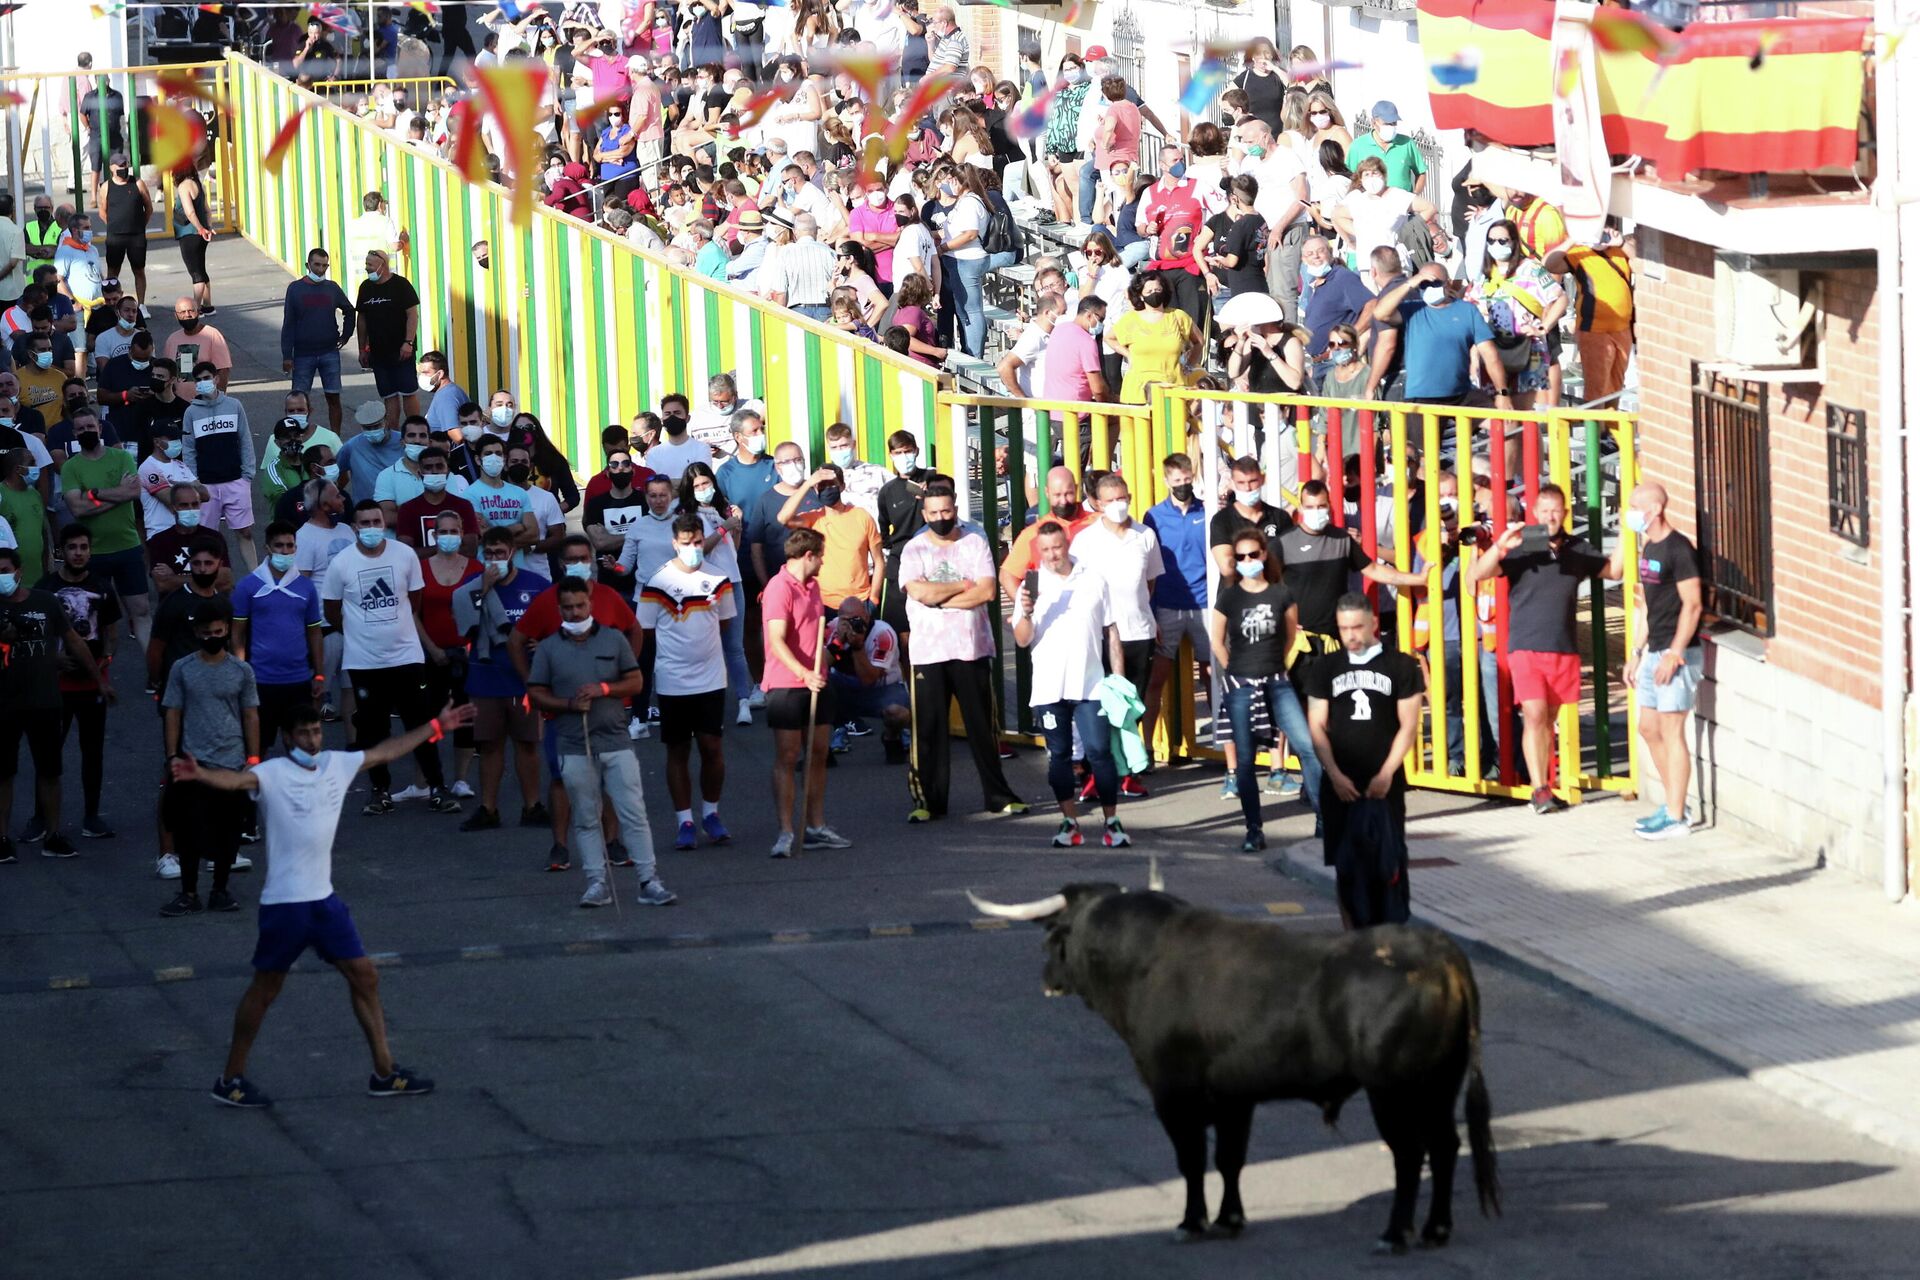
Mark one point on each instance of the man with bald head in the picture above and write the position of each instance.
(1667, 668)
(1063, 505)
(386, 320)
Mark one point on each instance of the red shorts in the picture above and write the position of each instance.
(1553, 678)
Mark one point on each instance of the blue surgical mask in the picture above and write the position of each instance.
(449, 543)
(376, 435)
(373, 276)
(703, 494)
(1341, 355)
(305, 759)
(502, 415)
(280, 563)
(493, 464)
(435, 483)
(33, 475)
(1178, 168)
(371, 539)
(584, 571)
(330, 472)
(413, 452)
(1250, 568)
(126, 326)
(43, 359)
(140, 365)
(206, 388)
(690, 555)
(1636, 520)
(841, 457)
(1314, 270)
(175, 448)
(9, 583)
(188, 519)
(316, 276)
(300, 418)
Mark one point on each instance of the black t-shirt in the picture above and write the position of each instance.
(157, 416)
(1227, 522)
(1363, 713)
(1396, 321)
(172, 628)
(174, 546)
(1264, 95)
(1541, 593)
(383, 306)
(92, 607)
(900, 517)
(1664, 565)
(33, 631)
(616, 515)
(1256, 629)
(1246, 238)
(1318, 568)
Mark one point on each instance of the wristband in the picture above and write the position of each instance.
(434, 724)
(606, 690)
(319, 679)
(252, 761)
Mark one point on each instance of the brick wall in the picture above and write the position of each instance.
(1826, 591)
(989, 37)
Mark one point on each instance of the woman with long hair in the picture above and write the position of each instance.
(796, 121)
(853, 270)
(1520, 300)
(724, 525)
(967, 139)
(1330, 188)
(551, 470)
(1062, 146)
(1328, 124)
(1372, 213)
(1263, 82)
(963, 253)
(1268, 359)
(912, 298)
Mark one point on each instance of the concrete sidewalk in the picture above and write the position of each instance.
(1802, 977)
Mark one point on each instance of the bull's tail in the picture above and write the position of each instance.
(1486, 1172)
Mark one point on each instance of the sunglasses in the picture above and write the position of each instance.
(1501, 240)
(1339, 346)
(1254, 557)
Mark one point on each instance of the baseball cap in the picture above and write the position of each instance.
(118, 157)
(1096, 52)
(1385, 112)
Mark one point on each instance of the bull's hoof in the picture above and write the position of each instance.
(1230, 1225)
(1189, 1233)
(1390, 1245)
(1435, 1235)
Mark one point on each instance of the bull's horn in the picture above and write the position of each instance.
(1154, 882)
(1038, 910)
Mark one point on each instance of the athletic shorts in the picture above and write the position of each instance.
(1553, 678)
(497, 719)
(127, 570)
(400, 379)
(231, 500)
(42, 729)
(1678, 693)
(287, 929)
(787, 709)
(1174, 623)
(683, 715)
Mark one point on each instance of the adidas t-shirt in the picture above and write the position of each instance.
(684, 611)
(376, 613)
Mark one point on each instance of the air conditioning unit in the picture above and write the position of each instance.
(1758, 315)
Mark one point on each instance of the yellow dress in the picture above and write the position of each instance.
(1153, 348)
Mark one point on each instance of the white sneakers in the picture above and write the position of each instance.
(597, 894)
(462, 788)
(655, 894)
(758, 699)
(167, 867)
(746, 712)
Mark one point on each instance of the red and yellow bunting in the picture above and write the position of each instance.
(177, 136)
(512, 93)
(276, 154)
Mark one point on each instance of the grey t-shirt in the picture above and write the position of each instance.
(563, 664)
(211, 696)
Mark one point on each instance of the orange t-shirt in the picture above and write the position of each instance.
(853, 547)
(1020, 558)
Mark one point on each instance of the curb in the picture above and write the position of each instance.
(1301, 860)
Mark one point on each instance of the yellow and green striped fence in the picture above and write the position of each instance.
(584, 329)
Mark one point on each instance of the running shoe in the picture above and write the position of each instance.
(96, 828)
(380, 806)
(685, 838)
(757, 699)
(597, 894)
(783, 845)
(1006, 751)
(1254, 843)
(327, 714)
(558, 859)
(238, 1091)
(1116, 836)
(58, 846)
(221, 900)
(855, 729)
(745, 713)
(209, 310)
(1132, 788)
(8, 855)
(919, 815)
(241, 862)
(716, 833)
(183, 904)
(1672, 829)
(440, 802)
(1068, 836)
(36, 830)
(1013, 808)
(462, 788)
(535, 815)
(166, 867)
(402, 1083)
(1282, 786)
(824, 838)
(636, 729)
(837, 742)
(1542, 800)
(1658, 818)
(251, 835)
(481, 819)
(413, 792)
(655, 894)
(617, 855)
(1230, 787)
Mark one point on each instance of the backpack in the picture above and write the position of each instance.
(1002, 235)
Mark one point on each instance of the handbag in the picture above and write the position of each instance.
(1516, 351)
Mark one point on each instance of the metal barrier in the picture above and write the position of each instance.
(44, 152)
(575, 321)
(420, 90)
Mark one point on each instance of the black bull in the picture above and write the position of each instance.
(1221, 1015)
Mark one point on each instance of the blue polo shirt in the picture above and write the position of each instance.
(278, 616)
(1339, 298)
(1183, 547)
(742, 483)
(1437, 342)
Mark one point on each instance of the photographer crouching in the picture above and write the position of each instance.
(863, 655)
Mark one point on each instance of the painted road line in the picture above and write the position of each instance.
(75, 982)
(178, 973)
(486, 951)
(1285, 909)
(890, 931)
(793, 935)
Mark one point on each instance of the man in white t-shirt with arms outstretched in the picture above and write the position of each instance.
(299, 797)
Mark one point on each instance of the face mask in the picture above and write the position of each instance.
(1387, 131)
(33, 474)
(1181, 492)
(85, 237)
(1154, 298)
(703, 494)
(1073, 75)
(373, 276)
(1636, 520)
(1314, 519)
(413, 451)
(757, 443)
(1449, 507)
(43, 359)
(316, 276)
(300, 418)
(690, 556)
(1499, 251)
(519, 473)
(1250, 568)
(579, 628)
(950, 190)
(1433, 295)
(1247, 497)
(876, 198)
(904, 462)
(493, 464)
(840, 457)
(213, 644)
(434, 483)
(1256, 152)
(140, 366)
(206, 388)
(377, 435)
(88, 441)
(1342, 355)
(1366, 655)
(188, 519)
(175, 448)
(1320, 119)
(1178, 169)
(903, 220)
(502, 415)
(126, 326)
(1314, 270)
(305, 759)
(943, 527)
(330, 472)
(576, 570)
(1372, 183)
(205, 580)
(791, 472)
(426, 384)
(1115, 511)
(280, 563)
(449, 543)
(372, 538)
(9, 583)
(6, 422)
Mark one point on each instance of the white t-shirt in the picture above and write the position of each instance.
(314, 548)
(301, 810)
(970, 214)
(672, 460)
(1070, 620)
(724, 558)
(546, 509)
(376, 611)
(1275, 173)
(1030, 348)
(1377, 220)
(1128, 561)
(883, 651)
(161, 474)
(684, 610)
(916, 245)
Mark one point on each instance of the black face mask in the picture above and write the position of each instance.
(944, 526)
(1154, 298)
(829, 495)
(212, 644)
(205, 580)
(76, 404)
(88, 441)
(519, 475)
(674, 424)
(189, 326)
(1182, 492)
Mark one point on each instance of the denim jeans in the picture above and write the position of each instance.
(1061, 723)
(967, 293)
(1089, 187)
(1457, 715)
(733, 643)
(813, 310)
(1132, 255)
(617, 773)
(1283, 707)
(326, 365)
(1005, 258)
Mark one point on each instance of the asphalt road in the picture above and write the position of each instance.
(810, 1068)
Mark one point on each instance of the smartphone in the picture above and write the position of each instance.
(1535, 539)
(1032, 584)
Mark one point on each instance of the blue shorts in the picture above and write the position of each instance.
(1678, 693)
(126, 570)
(851, 698)
(326, 364)
(287, 929)
(399, 379)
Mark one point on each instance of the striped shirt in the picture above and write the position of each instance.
(949, 50)
(805, 273)
(684, 609)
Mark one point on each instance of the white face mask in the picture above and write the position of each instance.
(502, 415)
(1372, 183)
(1247, 497)
(904, 462)
(1388, 132)
(690, 555)
(757, 443)
(791, 472)
(1366, 655)
(1320, 119)
(1314, 519)
(1116, 510)
(579, 628)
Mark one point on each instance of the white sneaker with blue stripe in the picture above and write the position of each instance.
(1658, 818)
(1672, 829)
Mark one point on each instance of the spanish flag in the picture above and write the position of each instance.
(469, 149)
(512, 91)
(177, 135)
(1740, 97)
